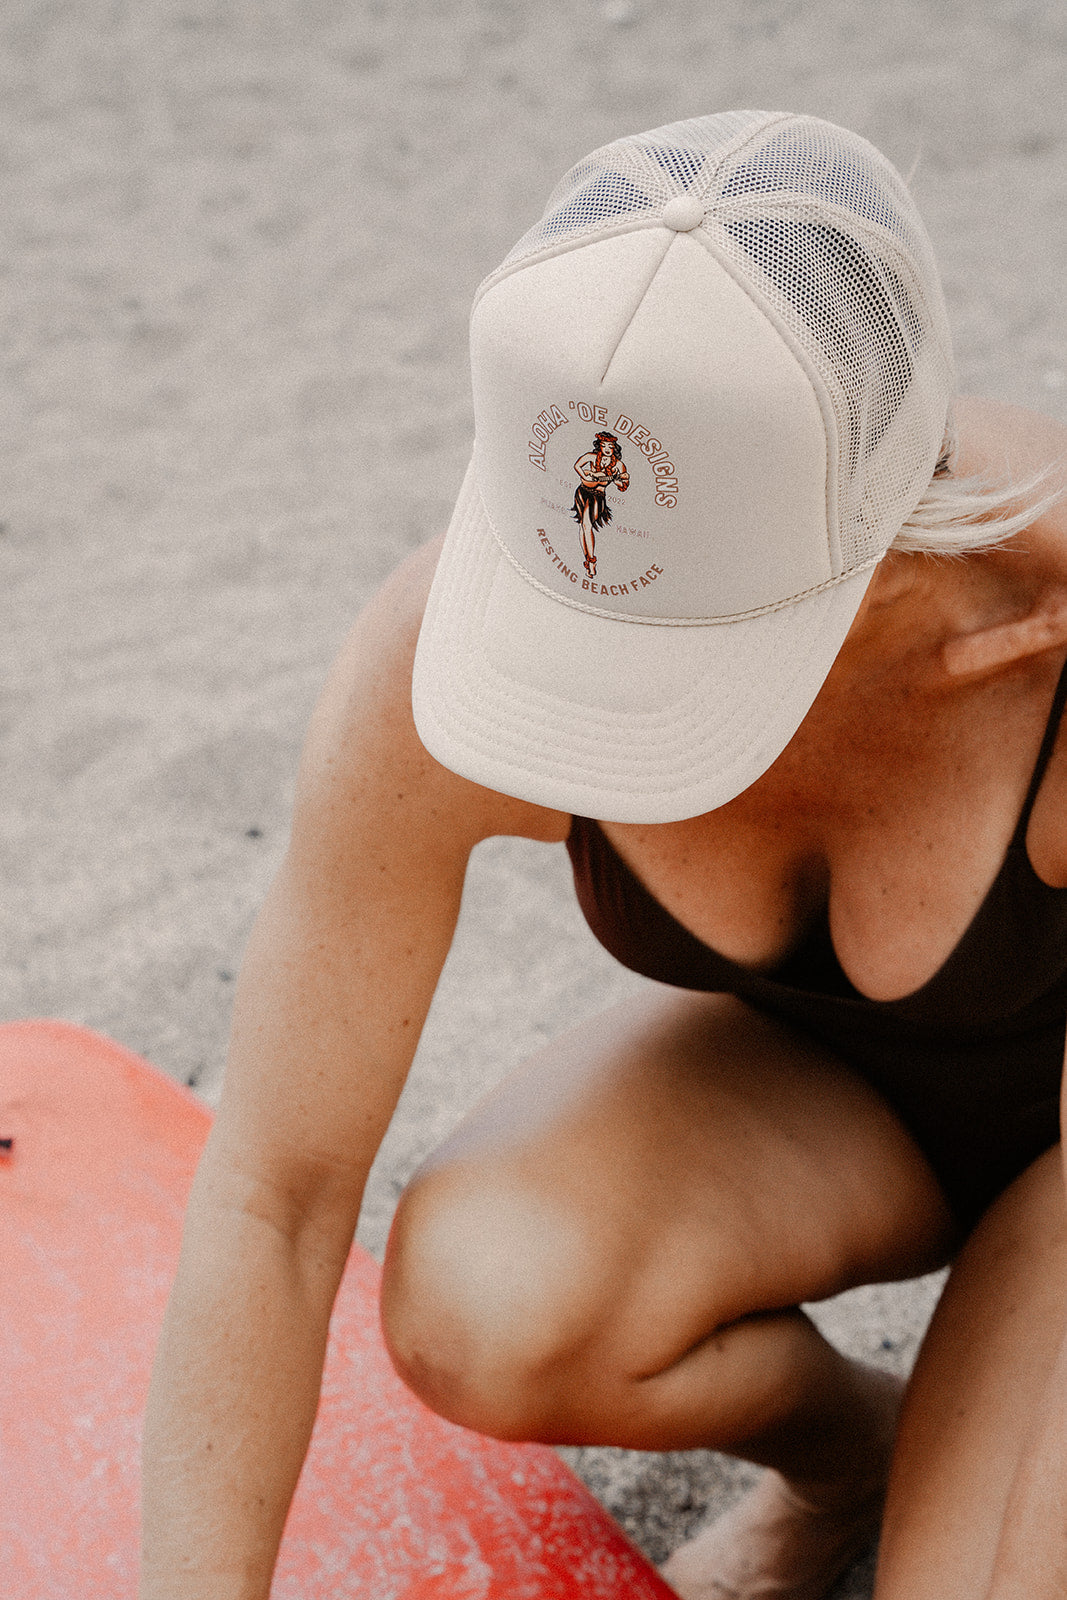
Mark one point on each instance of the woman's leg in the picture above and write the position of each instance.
(973, 1395)
(613, 1247)
(584, 508)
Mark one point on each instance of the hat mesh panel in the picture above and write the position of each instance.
(823, 230)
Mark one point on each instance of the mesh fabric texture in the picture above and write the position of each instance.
(822, 232)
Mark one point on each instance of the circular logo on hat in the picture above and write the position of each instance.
(596, 566)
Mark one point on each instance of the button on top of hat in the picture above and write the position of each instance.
(683, 213)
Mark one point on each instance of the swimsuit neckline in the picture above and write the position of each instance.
(819, 930)
(1016, 859)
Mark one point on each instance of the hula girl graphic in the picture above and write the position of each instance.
(603, 465)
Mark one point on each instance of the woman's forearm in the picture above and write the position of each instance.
(1031, 1560)
(232, 1403)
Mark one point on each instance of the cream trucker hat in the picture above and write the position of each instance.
(709, 386)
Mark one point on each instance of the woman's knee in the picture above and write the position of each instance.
(492, 1302)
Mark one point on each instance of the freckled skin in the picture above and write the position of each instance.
(615, 1246)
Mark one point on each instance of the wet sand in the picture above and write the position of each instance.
(241, 244)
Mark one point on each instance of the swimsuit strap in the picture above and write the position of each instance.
(1044, 755)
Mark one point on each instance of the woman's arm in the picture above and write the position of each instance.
(1031, 1558)
(333, 993)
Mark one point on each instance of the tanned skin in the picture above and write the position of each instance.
(613, 1249)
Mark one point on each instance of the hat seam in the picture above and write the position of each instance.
(772, 119)
(637, 307)
(676, 622)
(614, 230)
(575, 241)
(832, 487)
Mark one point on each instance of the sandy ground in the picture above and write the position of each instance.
(240, 242)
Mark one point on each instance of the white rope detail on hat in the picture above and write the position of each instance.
(677, 622)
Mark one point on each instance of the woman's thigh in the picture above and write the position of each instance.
(653, 1176)
(975, 1394)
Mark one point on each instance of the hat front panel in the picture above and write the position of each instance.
(634, 405)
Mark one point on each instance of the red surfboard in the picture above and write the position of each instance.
(393, 1503)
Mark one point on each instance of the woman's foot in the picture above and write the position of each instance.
(772, 1545)
(790, 1540)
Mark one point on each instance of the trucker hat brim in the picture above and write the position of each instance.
(599, 716)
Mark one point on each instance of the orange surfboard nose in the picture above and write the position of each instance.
(97, 1152)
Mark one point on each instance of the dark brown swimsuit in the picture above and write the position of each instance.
(971, 1062)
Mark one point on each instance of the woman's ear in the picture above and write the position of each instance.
(986, 649)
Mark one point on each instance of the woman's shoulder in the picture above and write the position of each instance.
(363, 731)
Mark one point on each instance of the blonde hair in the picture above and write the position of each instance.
(959, 515)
